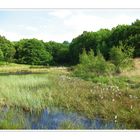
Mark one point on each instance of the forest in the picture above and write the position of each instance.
(38, 52)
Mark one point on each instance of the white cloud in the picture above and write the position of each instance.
(29, 28)
(60, 13)
(10, 35)
(14, 36)
(83, 22)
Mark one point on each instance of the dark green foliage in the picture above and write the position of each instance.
(118, 34)
(87, 41)
(59, 51)
(135, 42)
(7, 49)
(37, 52)
(66, 43)
(134, 38)
(84, 41)
(32, 51)
(104, 40)
(1, 55)
(127, 34)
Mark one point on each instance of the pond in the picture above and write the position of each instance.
(57, 119)
(20, 73)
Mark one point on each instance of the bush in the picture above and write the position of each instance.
(91, 65)
(121, 57)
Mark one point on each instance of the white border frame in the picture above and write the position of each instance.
(69, 135)
(69, 3)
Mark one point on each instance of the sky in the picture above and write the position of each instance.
(61, 24)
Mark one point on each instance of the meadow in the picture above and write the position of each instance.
(34, 88)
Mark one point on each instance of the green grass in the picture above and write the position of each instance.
(115, 98)
(26, 91)
(12, 68)
(96, 99)
(12, 119)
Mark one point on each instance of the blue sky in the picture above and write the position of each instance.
(61, 24)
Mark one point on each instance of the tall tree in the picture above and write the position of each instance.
(32, 51)
(7, 49)
(59, 51)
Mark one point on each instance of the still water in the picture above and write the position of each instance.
(53, 118)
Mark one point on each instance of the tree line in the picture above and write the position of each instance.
(38, 52)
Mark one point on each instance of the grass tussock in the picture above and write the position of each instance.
(25, 92)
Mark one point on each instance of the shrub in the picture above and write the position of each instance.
(121, 57)
(91, 65)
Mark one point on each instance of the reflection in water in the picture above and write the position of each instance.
(53, 118)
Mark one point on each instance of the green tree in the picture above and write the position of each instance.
(88, 41)
(59, 51)
(32, 51)
(127, 34)
(7, 49)
(104, 40)
(134, 37)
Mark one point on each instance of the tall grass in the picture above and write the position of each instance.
(26, 91)
(96, 99)
(117, 101)
(12, 119)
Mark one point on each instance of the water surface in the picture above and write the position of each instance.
(53, 119)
